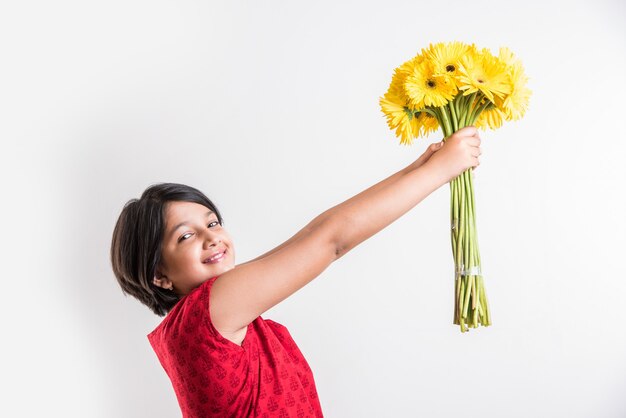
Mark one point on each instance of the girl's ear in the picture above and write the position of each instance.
(160, 279)
(163, 281)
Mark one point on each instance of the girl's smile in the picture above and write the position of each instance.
(219, 256)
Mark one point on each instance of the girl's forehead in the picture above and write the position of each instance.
(180, 213)
(183, 208)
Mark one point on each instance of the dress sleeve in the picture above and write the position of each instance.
(207, 322)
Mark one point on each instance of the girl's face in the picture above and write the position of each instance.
(192, 235)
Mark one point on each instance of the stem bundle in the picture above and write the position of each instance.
(471, 307)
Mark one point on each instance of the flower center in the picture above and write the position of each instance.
(430, 83)
(450, 68)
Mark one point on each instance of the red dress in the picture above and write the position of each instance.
(267, 376)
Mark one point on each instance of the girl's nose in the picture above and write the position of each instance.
(210, 239)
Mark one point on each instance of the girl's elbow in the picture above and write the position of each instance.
(333, 226)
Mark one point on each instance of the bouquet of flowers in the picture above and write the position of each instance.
(453, 85)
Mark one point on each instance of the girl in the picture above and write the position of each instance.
(170, 251)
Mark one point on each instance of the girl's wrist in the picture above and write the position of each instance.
(435, 172)
(416, 164)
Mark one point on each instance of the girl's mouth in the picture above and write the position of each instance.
(215, 259)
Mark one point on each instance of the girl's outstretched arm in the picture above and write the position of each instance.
(240, 295)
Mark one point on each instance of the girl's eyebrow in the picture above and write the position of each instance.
(186, 222)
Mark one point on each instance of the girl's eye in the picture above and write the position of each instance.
(182, 238)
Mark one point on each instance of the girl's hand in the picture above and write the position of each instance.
(432, 148)
(459, 152)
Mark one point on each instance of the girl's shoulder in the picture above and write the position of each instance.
(188, 312)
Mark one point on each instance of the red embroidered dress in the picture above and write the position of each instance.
(267, 376)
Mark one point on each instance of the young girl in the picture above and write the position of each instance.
(170, 251)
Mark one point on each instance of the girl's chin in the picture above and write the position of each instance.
(219, 268)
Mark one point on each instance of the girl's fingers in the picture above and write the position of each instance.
(476, 163)
(435, 147)
(474, 140)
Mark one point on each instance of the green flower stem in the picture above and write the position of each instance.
(468, 102)
(446, 119)
(453, 215)
(458, 100)
(468, 224)
(434, 111)
(470, 216)
(472, 251)
(464, 112)
(458, 222)
(479, 109)
(468, 290)
(456, 297)
(473, 206)
(468, 109)
(462, 222)
(455, 126)
(455, 104)
(473, 107)
(442, 119)
(460, 109)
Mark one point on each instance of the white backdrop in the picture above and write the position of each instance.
(271, 109)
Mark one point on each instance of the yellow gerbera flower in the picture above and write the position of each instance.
(491, 117)
(407, 66)
(516, 103)
(481, 71)
(400, 117)
(424, 88)
(428, 124)
(446, 58)
(396, 87)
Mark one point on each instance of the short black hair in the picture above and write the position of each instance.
(138, 238)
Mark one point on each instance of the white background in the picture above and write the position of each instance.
(271, 109)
